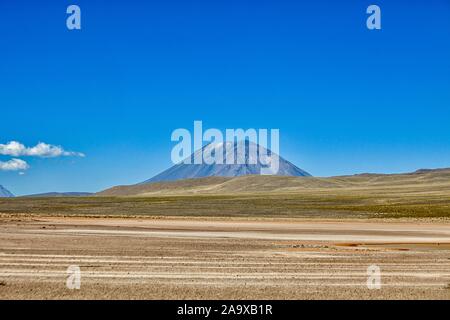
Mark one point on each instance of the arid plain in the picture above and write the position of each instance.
(240, 238)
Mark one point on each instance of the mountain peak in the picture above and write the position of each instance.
(249, 159)
(5, 193)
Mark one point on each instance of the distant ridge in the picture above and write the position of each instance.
(430, 170)
(5, 193)
(58, 194)
(419, 171)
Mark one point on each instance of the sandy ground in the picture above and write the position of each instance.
(223, 259)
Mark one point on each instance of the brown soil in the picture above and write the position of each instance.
(182, 258)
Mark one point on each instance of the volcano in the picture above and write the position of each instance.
(4, 193)
(244, 151)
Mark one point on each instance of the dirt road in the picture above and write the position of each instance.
(223, 259)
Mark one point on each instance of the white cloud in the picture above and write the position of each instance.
(17, 149)
(14, 165)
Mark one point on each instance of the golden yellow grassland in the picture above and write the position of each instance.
(425, 194)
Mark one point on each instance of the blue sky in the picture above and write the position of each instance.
(346, 99)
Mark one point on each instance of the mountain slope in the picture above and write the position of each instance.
(246, 166)
(422, 180)
(4, 193)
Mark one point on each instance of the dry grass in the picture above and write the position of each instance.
(418, 195)
(343, 204)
